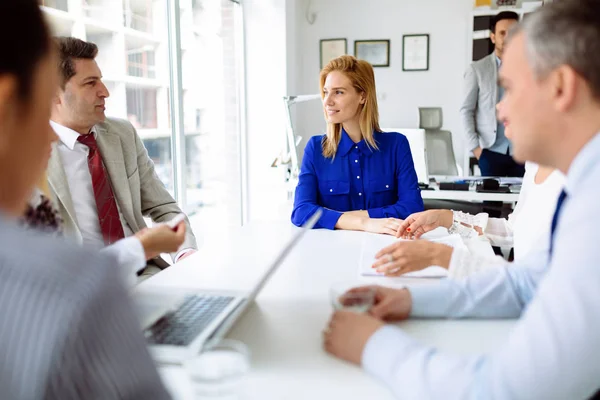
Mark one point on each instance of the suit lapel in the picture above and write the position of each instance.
(114, 161)
(57, 180)
(494, 76)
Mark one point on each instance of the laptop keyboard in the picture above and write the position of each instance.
(182, 326)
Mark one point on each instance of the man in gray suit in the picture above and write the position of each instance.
(68, 328)
(99, 173)
(484, 133)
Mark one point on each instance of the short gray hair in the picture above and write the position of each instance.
(564, 32)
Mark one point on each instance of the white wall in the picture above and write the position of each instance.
(266, 37)
(400, 93)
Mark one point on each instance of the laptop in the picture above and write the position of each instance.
(177, 325)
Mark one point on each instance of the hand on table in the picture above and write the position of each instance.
(403, 257)
(422, 222)
(347, 332)
(387, 226)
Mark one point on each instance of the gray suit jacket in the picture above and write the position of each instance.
(138, 190)
(478, 111)
(69, 330)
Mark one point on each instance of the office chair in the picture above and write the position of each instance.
(438, 143)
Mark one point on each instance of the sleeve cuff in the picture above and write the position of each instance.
(376, 213)
(473, 142)
(130, 256)
(384, 350)
(430, 300)
(329, 218)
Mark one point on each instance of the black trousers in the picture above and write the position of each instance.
(497, 164)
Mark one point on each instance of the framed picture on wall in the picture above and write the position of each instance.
(415, 52)
(332, 48)
(376, 52)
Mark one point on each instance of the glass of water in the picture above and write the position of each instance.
(219, 370)
(352, 297)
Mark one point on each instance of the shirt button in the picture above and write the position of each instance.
(355, 160)
(331, 190)
(360, 194)
(358, 177)
(387, 186)
(356, 147)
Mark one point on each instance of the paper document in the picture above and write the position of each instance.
(373, 243)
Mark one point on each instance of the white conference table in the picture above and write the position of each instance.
(283, 328)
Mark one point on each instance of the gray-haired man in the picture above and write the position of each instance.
(551, 75)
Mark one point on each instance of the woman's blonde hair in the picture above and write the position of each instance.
(362, 77)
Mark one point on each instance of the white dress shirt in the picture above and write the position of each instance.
(552, 352)
(74, 155)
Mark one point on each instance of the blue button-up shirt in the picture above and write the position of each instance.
(551, 353)
(383, 181)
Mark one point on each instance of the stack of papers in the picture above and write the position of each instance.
(373, 243)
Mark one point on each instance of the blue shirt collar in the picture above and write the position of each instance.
(582, 164)
(346, 144)
(498, 61)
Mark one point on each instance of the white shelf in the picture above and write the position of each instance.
(134, 81)
(139, 38)
(96, 27)
(60, 21)
(56, 13)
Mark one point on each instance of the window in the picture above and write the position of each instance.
(57, 4)
(141, 107)
(210, 67)
(134, 59)
(140, 62)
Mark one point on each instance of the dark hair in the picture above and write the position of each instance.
(502, 16)
(70, 49)
(22, 54)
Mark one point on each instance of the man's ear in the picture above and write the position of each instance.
(57, 98)
(564, 86)
(493, 37)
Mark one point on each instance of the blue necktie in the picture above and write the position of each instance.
(559, 204)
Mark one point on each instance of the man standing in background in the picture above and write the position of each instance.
(485, 134)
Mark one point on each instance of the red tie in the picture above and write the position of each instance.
(108, 214)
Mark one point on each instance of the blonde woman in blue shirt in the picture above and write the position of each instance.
(362, 178)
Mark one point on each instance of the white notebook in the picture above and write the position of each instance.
(372, 243)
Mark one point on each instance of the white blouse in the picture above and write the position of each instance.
(527, 229)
